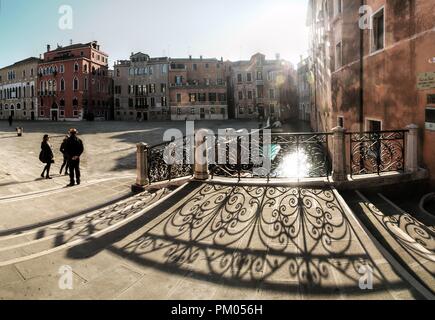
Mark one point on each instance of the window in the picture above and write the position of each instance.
(338, 56)
(192, 110)
(272, 94)
(239, 78)
(240, 95)
(75, 102)
(250, 95)
(164, 102)
(192, 97)
(338, 7)
(431, 99)
(212, 97)
(62, 85)
(76, 67)
(75, 84)
(378, 31)
(62, 68)
(178, 80)
(179, 97)
(195, 66)
(259, 75)
(249, 77)
(340, 122)
(272, 109)
(163, 88)
(86, 84)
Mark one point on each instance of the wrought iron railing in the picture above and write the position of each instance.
(302, 155)
(376, 152)
(159, 169)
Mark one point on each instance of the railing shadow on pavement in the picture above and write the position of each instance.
(277, 238)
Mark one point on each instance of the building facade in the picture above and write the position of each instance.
(198, 89)
(18, 90)
(74, 83)
(141, 88)
(259, 85)
(374, 67)
(304, 89)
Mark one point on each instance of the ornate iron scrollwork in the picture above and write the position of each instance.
(377, 152)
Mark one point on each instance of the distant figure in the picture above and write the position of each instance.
(74, 149)
(65, 156)
(46, 156)
(10, 120)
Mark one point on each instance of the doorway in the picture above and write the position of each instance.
(54, 115)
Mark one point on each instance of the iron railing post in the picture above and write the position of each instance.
(142, 168)
(339, 156)
(411, 149)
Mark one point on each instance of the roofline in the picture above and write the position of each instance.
(27, 60)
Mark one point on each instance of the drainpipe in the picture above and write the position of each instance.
(361, 77)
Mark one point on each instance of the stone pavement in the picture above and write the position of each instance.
(26, 210)
(109, 147)
(209, 241)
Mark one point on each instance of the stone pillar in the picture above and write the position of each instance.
(142, 179)
(201, 156)
(411, 149)
(339, 155)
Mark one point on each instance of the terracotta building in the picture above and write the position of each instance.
(304, 89)
(374, 67)
(263, 88)
(198, 89)
(74, 83)
(141, 88)
(18, 90)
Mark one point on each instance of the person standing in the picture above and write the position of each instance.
(46, 156)
(65, 156)
(10, 120)
(74, 149)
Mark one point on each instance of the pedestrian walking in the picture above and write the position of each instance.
(74, 149)
(46, 156)
(10, 120)
(65, 157)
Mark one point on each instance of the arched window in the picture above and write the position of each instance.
(76, 67)
(62, 68)
(75, 102)
(62, 85)
(54, 85)
(75, 84)
(62, 103)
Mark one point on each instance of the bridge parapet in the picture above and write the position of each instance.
(337, 158)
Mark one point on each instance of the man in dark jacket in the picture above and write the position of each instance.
(73, 150)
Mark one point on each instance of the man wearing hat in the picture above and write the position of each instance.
(74, 149)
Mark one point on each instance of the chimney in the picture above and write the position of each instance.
(222, 59)
(190, 57)
(200, 57)
(48, 48)
(278, 56)
(70, 42)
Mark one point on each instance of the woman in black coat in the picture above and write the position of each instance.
(46, 156)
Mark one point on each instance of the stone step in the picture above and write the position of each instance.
(45, 240)
(411, 242)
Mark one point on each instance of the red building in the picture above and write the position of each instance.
(74, 83)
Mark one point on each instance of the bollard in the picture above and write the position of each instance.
(20, 131)
(339, 156)
(142, 179)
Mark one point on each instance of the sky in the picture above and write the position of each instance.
(232, 29)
